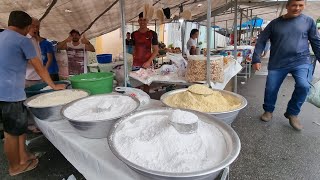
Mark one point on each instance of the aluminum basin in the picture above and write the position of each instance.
(226, 116)
(49, 113)
(95, 129)
(231, 138)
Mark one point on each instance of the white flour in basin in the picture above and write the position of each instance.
(152, 143)
(57, 98)
(111, 106)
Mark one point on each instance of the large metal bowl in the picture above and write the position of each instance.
(95, 129)
(49, 113)
(226, 116)
(231, 138)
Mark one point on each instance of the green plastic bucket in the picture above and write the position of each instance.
(95, 83)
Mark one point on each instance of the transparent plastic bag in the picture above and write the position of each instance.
(196, 69)
(314, 94)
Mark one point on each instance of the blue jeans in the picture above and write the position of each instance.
(302, 75)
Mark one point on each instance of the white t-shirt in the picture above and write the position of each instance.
(31, 73)
(191, 42)
(77, 59)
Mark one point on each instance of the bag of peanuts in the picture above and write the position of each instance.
(197, 66)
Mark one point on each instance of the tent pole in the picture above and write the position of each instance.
(123, 29)
(183, 35)
(208, 41)
(235, 89)
(247, 34)
(240, 29)
(251, 35)
(214, 32)
(226, 33)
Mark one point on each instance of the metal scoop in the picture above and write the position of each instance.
(202, 93)
(185, 128)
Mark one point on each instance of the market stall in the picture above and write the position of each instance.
(91, 157)
(176, 73)
(88, 138)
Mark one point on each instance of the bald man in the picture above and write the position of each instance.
(31, 75)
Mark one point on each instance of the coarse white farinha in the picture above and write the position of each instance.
(57, 98)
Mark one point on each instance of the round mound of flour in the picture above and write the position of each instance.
(151, 142)
(57, 98)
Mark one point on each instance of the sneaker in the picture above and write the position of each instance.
(294, 122)
(266, 116)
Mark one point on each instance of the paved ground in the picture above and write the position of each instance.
(269, 150)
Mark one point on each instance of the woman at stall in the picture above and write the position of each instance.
(192, 42)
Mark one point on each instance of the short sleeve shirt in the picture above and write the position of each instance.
(154, 40)
(15, 51)
(191, 42)
(77, 59)
(47, 47)
(31, 73)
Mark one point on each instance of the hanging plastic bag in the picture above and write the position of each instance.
(314, 94)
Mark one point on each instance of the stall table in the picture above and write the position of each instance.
(107, 67)
(173, 78)
(91, 157)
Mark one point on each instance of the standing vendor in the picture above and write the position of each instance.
(192, 42)
(145, 44)
(16, 51)
(77, 52)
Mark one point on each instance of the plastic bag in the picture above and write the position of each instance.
(197, 68)
(314, 94)
(179, 62)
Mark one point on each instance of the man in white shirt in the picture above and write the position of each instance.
(192, 42)
(77, 52)
(31, 75)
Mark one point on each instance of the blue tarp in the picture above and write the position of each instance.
(256, 22)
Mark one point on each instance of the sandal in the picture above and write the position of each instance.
(31, 165)
(33, 130)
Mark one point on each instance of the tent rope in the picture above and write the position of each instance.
(48, 10)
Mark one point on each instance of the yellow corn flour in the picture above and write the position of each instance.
(215, 102)
(200, 89)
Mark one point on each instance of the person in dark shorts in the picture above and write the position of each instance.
(16, 50)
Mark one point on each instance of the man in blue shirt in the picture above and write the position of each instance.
(49, 58)
(16, 50)
(289, 36)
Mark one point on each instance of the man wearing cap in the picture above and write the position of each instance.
(76, 52)
(16, 51)
(145, 44)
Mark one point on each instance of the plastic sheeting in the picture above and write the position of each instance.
(79, 14)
